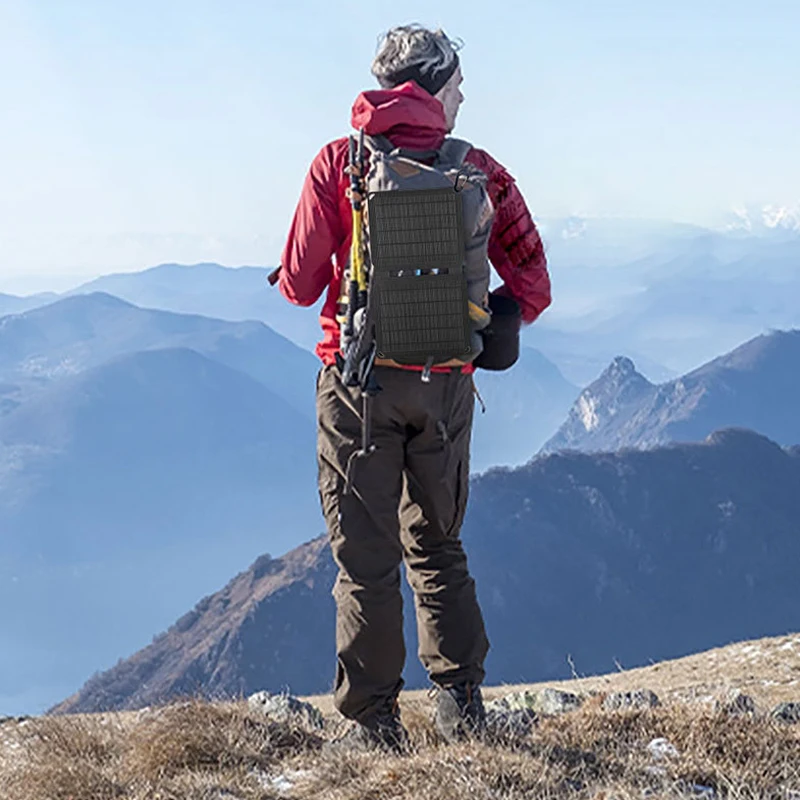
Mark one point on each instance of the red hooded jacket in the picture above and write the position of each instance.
(322, 225)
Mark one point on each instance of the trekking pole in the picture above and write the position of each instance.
(350, 334)
(369, 388)
(366, 377)
(356, 247)
(359, 356)
(361, 276)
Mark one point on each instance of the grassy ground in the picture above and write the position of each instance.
(224, 751)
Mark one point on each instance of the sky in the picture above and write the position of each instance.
(134, 133)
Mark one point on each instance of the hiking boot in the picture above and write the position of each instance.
(460, 714)
(383, 732)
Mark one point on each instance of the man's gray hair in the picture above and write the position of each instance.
(413, 47)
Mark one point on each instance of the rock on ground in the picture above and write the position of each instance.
(736, 703)
(503, 722)
(638, 699)
(787, 712)
(285, 708)
(546, 701)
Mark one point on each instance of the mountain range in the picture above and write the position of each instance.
(580, 559)
(137, 449)
(148, 447)
(770, 219)
(754, 386)
(668, 296)
(231, 294)
(82, 331)
(12, 304)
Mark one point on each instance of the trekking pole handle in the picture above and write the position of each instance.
(355, 177)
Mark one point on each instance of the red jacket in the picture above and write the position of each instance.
(321, 228)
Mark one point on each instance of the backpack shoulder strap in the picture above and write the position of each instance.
(382, 144)
(453, 152)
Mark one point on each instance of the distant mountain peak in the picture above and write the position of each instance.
(608, 401)
(619, 376)
(208, 266)
(618, 386)
(754, 387)
(622, 368)
(574, 228)
(777, 344)
(88, 300)
(202, 269)
(764, 220)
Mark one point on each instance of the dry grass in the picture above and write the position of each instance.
(205, 751)
(223, 751)
(194, 749)
(766, 669)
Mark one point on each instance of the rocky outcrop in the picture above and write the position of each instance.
(754, 386)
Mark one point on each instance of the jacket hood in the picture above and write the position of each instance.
(406, 114)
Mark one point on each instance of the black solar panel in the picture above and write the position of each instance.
(418, 286)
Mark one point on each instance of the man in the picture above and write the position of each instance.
(409, 495)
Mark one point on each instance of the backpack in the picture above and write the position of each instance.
(426, 233)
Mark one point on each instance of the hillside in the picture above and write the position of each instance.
(234, 294)
(702, 739)
(594, 559)
(76, 333)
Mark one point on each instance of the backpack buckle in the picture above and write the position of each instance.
(426, 372)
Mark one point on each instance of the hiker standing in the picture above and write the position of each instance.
(409, 502)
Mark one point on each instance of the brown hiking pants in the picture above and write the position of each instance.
(406, 503)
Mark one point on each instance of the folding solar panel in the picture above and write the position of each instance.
(418, 287)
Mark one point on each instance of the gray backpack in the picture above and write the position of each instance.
(427, 232)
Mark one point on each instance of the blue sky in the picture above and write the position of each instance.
(139, 132)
